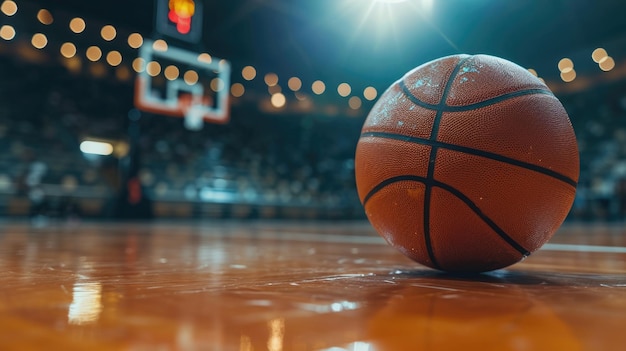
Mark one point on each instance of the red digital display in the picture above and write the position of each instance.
(180, 13)
(180, 19)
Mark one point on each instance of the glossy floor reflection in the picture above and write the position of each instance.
(314, 286)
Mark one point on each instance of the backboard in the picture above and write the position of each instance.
(176, 82)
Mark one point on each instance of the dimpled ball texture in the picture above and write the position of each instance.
(467, 164)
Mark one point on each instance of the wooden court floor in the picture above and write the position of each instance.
(297, 286)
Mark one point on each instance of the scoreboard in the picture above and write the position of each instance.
(179, 19)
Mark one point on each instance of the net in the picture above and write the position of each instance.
(194, 118)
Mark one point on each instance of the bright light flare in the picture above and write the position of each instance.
(382, 18)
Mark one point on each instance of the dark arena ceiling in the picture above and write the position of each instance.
(376, 41)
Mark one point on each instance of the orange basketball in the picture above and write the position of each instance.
(467, 164)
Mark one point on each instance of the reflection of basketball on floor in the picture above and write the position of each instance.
(464, 317)
(468, 163)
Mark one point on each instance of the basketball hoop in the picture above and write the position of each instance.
(196, 101)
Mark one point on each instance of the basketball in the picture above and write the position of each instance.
(467, 164)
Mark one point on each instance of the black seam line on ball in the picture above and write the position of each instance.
(433, 156)
(488, 102)
(459, 195)
(475, 152)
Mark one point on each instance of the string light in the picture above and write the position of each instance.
(237, 90)
(39, 40)
(94, 53)
(370, 93)
(318, 87)
(77, 25)
(294, 83)
(271, 79)
(114, 58)
(9, 8)
(204, 57)
(45, 17)
(248, 73)
(135, 40)
(7, 32)
(171, 72)
(68, 50)
(344, 89)
(108, 32)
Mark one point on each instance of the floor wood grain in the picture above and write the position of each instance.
(296, 286)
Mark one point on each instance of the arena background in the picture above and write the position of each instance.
(276, 160)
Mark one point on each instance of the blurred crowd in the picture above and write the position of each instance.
(599, 119)
(258, 159)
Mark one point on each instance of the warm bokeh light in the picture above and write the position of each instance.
(204, 57)
(271, 79)
(533, 72)
(191, 77)
(122, 73)
(300, 96)
(344, 89)
(171, 72)
(565, 64)
(9, 7)
(94, 53)
(248, 73)
(237, 90)
(355, 103)
(77, 25)
(139, 64)
(45, 17)
(159, 45)
(73, 64)
(274, 89)
(598, 54)
(68, 50)
(7, 32)
(217, 84)
(318, 87)
(114, 58)
(98, 70)
(278, 100)
(568, 76)
(294, 83)
(607, 63)
(153, 68)
(135, 40)
(108, 32)
(370, 93)
(39, 40)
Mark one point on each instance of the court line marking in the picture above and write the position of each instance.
(583, 248)
(327, 238)
(376, 240)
